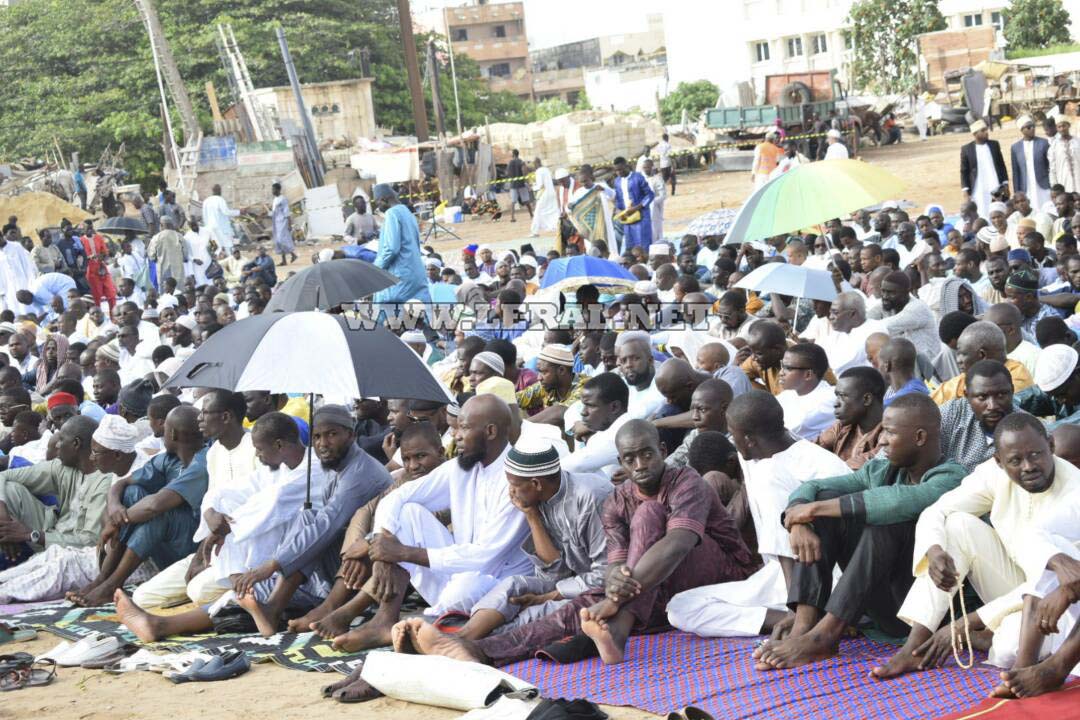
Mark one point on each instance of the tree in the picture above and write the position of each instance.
(1035, 24)
(884, 35)
(80, 71)
(694, 97)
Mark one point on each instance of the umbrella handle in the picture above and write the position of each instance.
(311, 442)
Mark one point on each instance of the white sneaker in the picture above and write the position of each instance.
(91, 647)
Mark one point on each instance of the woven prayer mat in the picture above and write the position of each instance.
(669, 671)
(1061, 705)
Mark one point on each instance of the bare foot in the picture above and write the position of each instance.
(134, 618)
(369, 635)
(100, 595)
(597, 629)
(303, 623)
(333, 624)
(328, 690)
(401, 635)
(266, 625)
(429, 641)
(357, 692)
(603, 610)
(797, 651)
(1036, 680)
(904, 661)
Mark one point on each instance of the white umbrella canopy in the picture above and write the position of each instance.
(793, 280)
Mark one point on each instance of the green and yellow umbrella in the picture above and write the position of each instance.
(811, 194)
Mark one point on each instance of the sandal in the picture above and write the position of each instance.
(18, 661)
(40, 676)
(16, 633)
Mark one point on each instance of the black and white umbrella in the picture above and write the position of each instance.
(311, 353)
(328, 284)
(123, 225)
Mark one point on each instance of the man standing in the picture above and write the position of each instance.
(1064, 158)
(864, 522)
(633, 198)
(148, 214)
(591, 207)
(360, 226)
(169, 250)
(46, 256)
(546, 217)
(97, 272)
(282, 227)
(399, 250)
(1030, 164)
(836, 149)
(982, 169)
(656, 209)
(519, 185)
(667, 168)
(217, 218)
(767, 155)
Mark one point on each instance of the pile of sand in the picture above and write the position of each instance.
(36, 210)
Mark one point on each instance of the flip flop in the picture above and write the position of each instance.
(451, 622)
(40, 676)
(569, 650)
(16, 661)
(16, 633)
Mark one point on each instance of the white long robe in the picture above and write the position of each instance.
(17, 272)
(986, 180)
(1064, 158)
(198, 249)
(546, 212)
(737, 609)
(656, 207)
(217, 219)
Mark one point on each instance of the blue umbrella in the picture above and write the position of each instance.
(571, 273)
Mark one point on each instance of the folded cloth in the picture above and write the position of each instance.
(441, 681)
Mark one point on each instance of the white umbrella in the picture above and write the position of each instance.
(792, 280)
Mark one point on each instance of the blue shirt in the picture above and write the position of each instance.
(914, 385)
(71, 250)
(164, 471)
(357, 252)
(46, 287)
(399, 254)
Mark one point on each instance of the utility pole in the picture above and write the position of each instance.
(159, 46)
(314, 156)
(412, 66)
(453, 70)
(436, 93)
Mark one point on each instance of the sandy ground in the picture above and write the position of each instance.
(931, 171)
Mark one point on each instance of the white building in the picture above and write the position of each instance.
(749, 39)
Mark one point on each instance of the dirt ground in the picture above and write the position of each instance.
(931, 171)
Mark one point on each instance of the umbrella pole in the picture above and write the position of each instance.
(794, 328)
(311, 442)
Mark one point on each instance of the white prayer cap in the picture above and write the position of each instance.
(413, 337)
(659, 249)
(528, 260)
(433, 262)
(115, 433)
(110, 351)
(632, 336)
(187, 321)
(1054, 366)
(834, 133)
(492, 360)
(645, 287)
(561, 173)
(167, 301)
(533, 457)
(1023, 121)
(7, 327)
(998, 207)
(326, 255)
(508, 255)
(999, 244)
(150, 314)
(169, 366)
(976, 126)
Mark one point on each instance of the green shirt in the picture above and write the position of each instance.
(879, 494)
(81, 499)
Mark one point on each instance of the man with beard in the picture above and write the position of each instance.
(906, 316)
(967, 423)
(981, 340)
(451, 570)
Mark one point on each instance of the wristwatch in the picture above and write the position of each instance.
(36, 537)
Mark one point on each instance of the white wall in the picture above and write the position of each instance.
(625, 91)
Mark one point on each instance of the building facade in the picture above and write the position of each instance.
(339, 109)
(492, 34)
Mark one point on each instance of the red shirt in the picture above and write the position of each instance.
(95, 248)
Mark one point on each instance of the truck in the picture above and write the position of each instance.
(792, 98)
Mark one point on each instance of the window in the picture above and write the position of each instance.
(849, 40)
(997, 20)
(794, 47)
(973, 20)
(499, 70)
(818, 44)
(460, 35)
(761, 51)
(499, 31)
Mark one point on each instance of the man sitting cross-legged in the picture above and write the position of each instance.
(566, 543)
(1018, 487)
(153, 513)
(1047, 636)
(865, 523)
(450, 569)
(774, 463)
(300, 568)
(421, 452)
(666, 533)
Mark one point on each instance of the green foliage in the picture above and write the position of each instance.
(694, 97)
(552, 107)
(81, 71)
(884, 35)
(1020, 53)
(1036, 23)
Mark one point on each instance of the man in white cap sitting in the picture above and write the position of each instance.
(1064, 157)
(660, 254)
(1030, 164)
(837, 150)
(1056, 392)
(557, 385)
(982, 169)
(416, 340)
(566, 541)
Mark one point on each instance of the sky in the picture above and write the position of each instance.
(554, 22)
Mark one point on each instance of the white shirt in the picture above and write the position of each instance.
(1026, 354)
(487, 529)
(837, 151)
(226, 471)
(644, 403)
(848, 350)
(663, 149)
(599, 454)
(807, 416)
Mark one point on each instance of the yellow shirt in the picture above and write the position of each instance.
(955, 388)
(297, 407)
